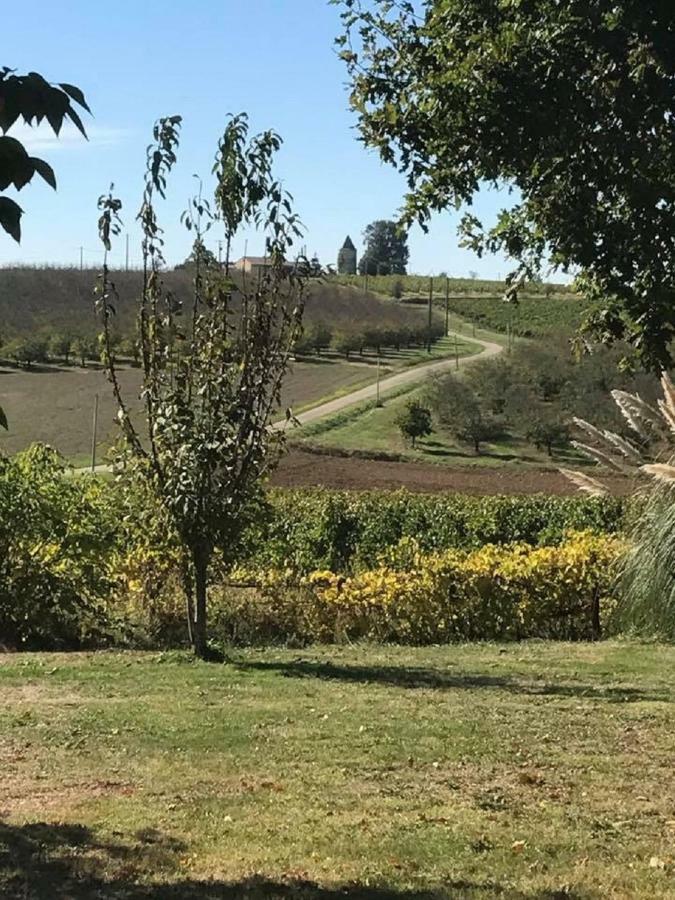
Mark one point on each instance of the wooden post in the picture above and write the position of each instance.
(93, 435)
(431, 300)
(377, 386)
(456, 352)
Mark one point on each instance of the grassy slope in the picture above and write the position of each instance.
(365, 428)
(48, 299)
(531, 772)
(55, 404)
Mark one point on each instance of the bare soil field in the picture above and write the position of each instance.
(55, 404)
(301, 469)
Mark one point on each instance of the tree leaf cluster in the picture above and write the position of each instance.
(570, 104)
(30, 99)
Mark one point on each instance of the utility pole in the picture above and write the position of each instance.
(378, 402)
(447, 306)
(81, 258)
(456, 352)
(220, 253)
(126, 256)
(93, 435)
(431, 300)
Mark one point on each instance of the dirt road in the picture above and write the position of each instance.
(392, 382)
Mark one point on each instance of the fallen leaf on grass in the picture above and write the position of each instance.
(518, 846)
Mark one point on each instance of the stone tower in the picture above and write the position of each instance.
(346, 262)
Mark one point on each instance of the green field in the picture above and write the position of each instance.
(535, 317)
(371, 430)
(531, 771)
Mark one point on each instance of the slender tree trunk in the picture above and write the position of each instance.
(200, 561)
(188, 588)
(596, 629)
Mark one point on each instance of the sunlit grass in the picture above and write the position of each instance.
(513, 771)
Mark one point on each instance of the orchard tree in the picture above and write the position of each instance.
(414, 421)
(25, 352)
(59, 346)
(458, 408)
(84, 348)
(213, 363)
(572, 104)
(386, 250)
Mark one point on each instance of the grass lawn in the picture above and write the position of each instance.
(371, 429)
(532, 772)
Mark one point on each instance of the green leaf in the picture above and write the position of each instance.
(76, 120)
(15, 166)
(44, 170)
(76, 94)
(10, 218)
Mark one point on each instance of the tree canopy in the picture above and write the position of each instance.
(31, 99)
(572, 104)
(386, 250)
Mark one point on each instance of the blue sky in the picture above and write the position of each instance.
(137, 61)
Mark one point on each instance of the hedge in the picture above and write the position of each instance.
(309, 529)
(563, 592)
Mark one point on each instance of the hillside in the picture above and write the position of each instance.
(534, 316)
(36, 300)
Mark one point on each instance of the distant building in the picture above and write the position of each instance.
(253, 265)
(346, 262)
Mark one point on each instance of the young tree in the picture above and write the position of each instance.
(457, 407)
(59, 346)
(321, 336)
(25, 352)
(386, 250)
(492, 379)
(548, 431)
(571, 103)
(213, 366)
(84, 348)
(414, 421)
(544, 424)
(347, 342)
(130, 347)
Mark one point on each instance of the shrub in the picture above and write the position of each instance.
(496, 593)
(56, 535)
(308, 529)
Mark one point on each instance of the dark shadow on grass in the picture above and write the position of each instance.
(45, 861)
(438, 679)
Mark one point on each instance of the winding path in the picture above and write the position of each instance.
(409, 376)
(391, 382)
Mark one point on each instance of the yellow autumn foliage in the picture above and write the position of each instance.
(497, 592)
